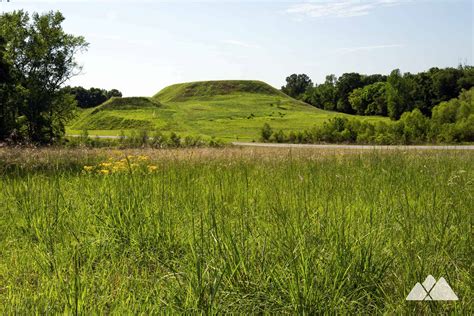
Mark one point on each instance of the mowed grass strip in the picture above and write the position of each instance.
(233, 230)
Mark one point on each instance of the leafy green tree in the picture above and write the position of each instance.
(344, 86)
(415, 126)
(7, 112)
(369, 100)
(454, 120)
(445, 84)
(114, 93)
(5, 75)
(421, 92)
(324, 95)
(89, 98)
(398, 95)
(358, 100)
(467, 79)
(371, 79)
(42, 56)
(296, 85)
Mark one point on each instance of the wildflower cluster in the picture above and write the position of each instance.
(127, 164)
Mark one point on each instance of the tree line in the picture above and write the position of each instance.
(451, 122)
(377, 94)
(89, 98)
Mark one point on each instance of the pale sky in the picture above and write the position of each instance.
(139, 47)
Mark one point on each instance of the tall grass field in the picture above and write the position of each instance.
(229, 230)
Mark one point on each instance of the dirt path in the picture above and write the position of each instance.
(379, 147)
(329, 146)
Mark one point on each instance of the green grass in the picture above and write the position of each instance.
(209, 89)
(132, 103)
(234, 230)
(228, 110)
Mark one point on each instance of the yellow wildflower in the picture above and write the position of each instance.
(88, 168)
(152, 168)
(105, 164)
(104, 171)
(143, 158)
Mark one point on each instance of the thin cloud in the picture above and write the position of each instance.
(238, 43)
(367, 48)
(340, 8)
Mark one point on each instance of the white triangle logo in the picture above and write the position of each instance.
(430, 290)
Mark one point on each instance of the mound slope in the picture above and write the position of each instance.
(131, 103)
(208, 89)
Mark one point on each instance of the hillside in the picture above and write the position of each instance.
(229, 110)
(208, 89)
(119, 114)
(132, 103)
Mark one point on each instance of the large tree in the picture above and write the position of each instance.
(88, 98)
(323, 95)
(399, 89)
(42, 56)
(345, 84)
(296, 85)
(445, 84)
(7, 113)
(370, 100)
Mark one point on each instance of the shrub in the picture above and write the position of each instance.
(174, 140)
(266, 132)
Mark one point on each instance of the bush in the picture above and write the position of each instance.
(278, 137)
(266, 133)
(175, 140)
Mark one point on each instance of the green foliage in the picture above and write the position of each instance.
(370, 100)
(88, 98)
(5, 72)
(141, 139)
(344, 86)
(323, 95)
(452, 122)
(175, 140)
(296, 85)
(397, 95)
(266, 132)
(415, 127)
(445, 83)
(8, 110)
(41, 55)
(393, 95)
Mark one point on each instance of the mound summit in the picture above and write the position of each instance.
(208, 89)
